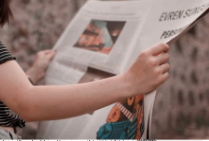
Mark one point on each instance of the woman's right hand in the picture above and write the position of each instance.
(149, 71)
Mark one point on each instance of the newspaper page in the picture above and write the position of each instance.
(100, 36)
(165, 21)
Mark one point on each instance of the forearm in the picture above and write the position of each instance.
(35, 75)
(55, 102)
(35, 103)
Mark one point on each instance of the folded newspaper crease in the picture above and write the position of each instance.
(104, 40)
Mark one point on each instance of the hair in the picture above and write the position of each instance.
(5, 12)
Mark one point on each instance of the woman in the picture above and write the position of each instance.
(36, 103)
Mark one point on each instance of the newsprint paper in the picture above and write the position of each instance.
(104, 39)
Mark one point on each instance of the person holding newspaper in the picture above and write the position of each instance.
(38, 103)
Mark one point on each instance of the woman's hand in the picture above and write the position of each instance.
(149, 71)
(42, 61)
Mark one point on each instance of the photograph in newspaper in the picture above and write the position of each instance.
(100, 36)
(124, 121)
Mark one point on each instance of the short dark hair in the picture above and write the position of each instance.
(5, 12)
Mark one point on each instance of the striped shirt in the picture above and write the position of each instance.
(7, 117)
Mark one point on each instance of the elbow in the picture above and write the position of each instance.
(26, 116)
(25, 112)
(24, 106)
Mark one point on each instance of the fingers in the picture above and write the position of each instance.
(50, 54)
(48, 51)
(165, 76)
(158, 49)
(46, 54)
(164, 68)
(162, 58)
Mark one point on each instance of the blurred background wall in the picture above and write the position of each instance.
(181, 106)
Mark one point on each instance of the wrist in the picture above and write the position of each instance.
(35, 75)
(132, 87)
(126, 86)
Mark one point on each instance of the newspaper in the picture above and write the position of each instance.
(104, 39)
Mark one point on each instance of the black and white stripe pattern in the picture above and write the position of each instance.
(4, 54)
(7, 117)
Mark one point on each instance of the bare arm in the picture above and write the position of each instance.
(54, 102)
(34, 103)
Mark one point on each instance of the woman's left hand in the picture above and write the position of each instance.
(39, 67)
